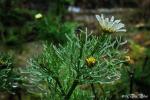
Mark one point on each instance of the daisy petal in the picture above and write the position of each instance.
(107, 19)
(122, 30)
(120, 25)
(98, 17)
(102, 16)
(117, 21)
(112, 19)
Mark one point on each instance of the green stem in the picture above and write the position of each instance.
(95, 48)
(60, 86)
(94, 91)
(131, 75)
(80, 56)
(74, 85)
(76, 81)
(56, 79)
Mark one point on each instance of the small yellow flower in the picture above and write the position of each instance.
(90, 61)
(38, 16)
(129, 60)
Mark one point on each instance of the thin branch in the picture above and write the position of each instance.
(56, 79)
(131, 75)
(74, 85)
(60, 86)
(80, 55)
(94, 91)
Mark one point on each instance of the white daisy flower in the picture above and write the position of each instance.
(110, 26)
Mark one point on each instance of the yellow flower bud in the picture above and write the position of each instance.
(90, 61)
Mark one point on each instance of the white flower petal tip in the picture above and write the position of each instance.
(97, 17)
(110, 25)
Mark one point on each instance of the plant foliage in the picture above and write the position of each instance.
(8, 78)
(60, 70)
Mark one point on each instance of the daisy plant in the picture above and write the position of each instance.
(60, 71)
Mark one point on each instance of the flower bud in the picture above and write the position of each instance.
(91, 61)
(38, 16)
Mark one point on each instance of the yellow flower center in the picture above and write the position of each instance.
(106, 30)
(90, 61)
